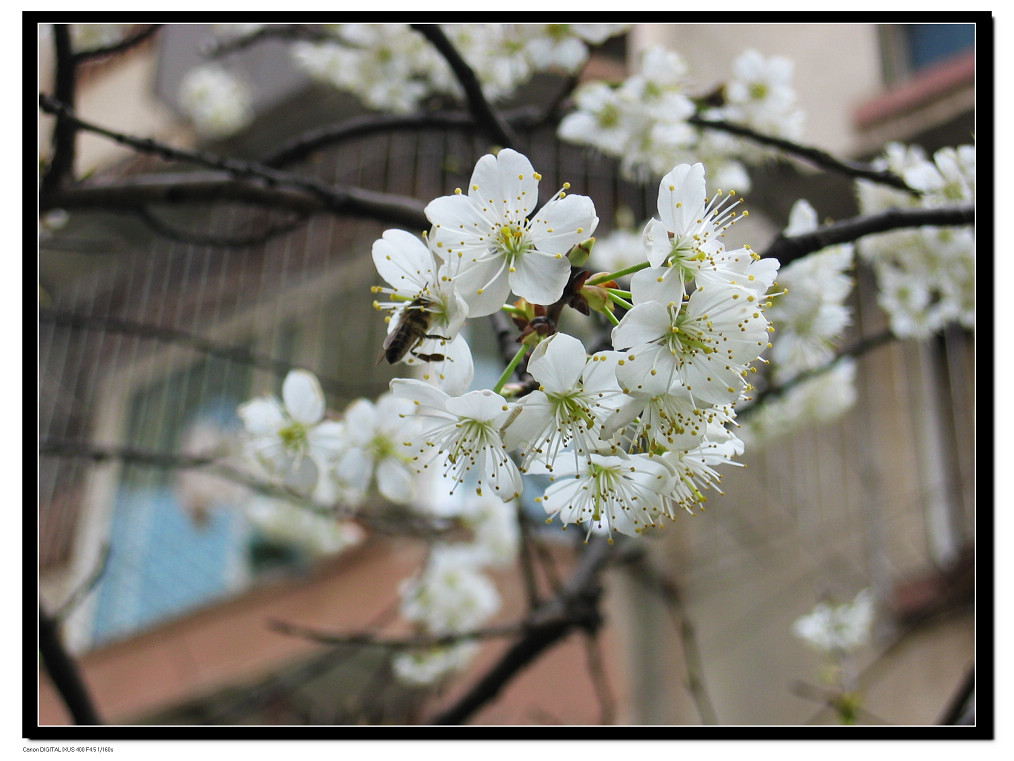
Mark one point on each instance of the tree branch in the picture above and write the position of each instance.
(694, 664)
(122, 196)
(856, 349)
(182, 338)
(369, 124)
(576, 607)
(272, 187)
(405, 524)
(163, 228)
(64, 672)
(62, 164)
(488, 118)
(789, 248)
(815, 156)
(416, 642)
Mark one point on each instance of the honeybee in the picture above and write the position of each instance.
(413, 326)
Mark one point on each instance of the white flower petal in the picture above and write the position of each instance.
(303, 397)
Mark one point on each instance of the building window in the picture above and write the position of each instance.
(928, 44)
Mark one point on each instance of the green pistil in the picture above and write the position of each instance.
(513, 241)
(295, 437)
(570, 407)
(693, 487)
(609, 116)
(381, 447)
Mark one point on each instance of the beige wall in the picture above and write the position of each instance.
(122, 87)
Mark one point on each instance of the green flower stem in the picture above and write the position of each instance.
(513, 310)
(625, 294)
(612, 317)
(510, 369)
(605, 278)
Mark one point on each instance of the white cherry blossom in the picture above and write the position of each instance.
(709, 342)
(576, 392)
(466, 430)
(492, 246)
(838, 629)
(607, 492)
(374, 449)
(290, 438)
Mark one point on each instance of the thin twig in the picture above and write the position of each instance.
(597, 672)
(86, 586)
(958, 709)
(178, 337)
(856, 349)
(406, 524)
(414, 642)
(670, 594)
(815, 156)
(489, 118)
(525, 557)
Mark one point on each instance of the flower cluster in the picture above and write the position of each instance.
(644, 120)
(838, 628)
(217, 102)
(926, 275)
(391, 67)
(811, 317)
(449, 596)
(628, 435)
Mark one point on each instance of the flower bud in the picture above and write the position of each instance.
(580, 252)
(597, 295)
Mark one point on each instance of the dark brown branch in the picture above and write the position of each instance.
(61, 165)
(815, 156)
(267, 185)
(182, 338)
(856, 349)
(575, 608)
(119, 47)
(64, 672)
(415, 642)
(130, 195)
(789, 248)
(489, 119)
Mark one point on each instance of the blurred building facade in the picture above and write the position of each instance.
(175, 630)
